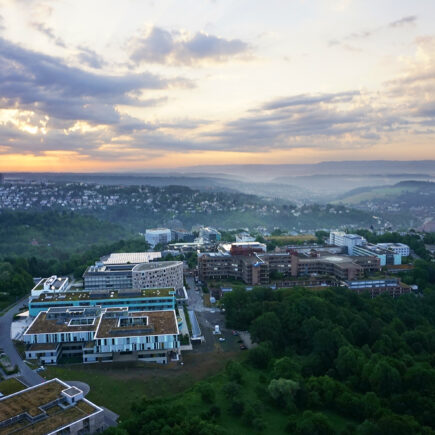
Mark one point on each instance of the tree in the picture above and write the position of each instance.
(231, 389)
(385, 379)
(283, 391)
(260, 356)
(206, 391)
(234, 371)
(285, 367)
(311, 423)
(267, 327)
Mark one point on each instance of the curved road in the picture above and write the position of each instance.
(29, 376)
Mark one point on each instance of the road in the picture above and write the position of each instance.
(27, 375)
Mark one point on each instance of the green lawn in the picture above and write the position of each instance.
(118, 385)
(10, 386)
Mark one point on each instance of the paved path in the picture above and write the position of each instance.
(27, 375)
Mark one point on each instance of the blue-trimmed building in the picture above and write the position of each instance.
(386, 256)
(136, 300)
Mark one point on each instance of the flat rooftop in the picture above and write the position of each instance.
(104, 294)
(156, 265)
(158, 323)
(42, 325)
(130, 257)
(35, 401)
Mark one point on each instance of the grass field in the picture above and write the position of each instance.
(118, 386)
(292, 239)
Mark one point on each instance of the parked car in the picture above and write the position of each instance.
(243, 347)
(235, 333)
(221, 338)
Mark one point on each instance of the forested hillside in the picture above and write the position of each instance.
(49, 234)
(327, 362)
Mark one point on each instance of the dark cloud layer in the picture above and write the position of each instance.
(160, 46)
(45, 84)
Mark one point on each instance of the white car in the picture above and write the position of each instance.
(221, 339)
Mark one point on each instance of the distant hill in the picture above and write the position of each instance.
(405, 193)
(362, 168)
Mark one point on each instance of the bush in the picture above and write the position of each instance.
(206, 392)
(234, 371)
(231, 389)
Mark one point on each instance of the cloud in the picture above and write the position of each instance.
(45, 84)
(366, 34)
(411, 19)
(90, 58)
(72, 110)
(161, 46)
(48, 32)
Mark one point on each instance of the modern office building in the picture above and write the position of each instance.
(130, 258)
(180, 235)
(110, 276)
(339, 238)
(131, 275)
(251, 269)
(392, 286)
(2, 178)
(53, 407)
(386, 256)
(135, 300)
(209, 234)
(243, 248)
(158, 274)
(103, 334)
(155, 236)
(244, 237)
(397, 248)
(254, 268)
(342, 267)
(54, 284)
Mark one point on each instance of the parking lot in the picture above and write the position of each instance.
(208, 318)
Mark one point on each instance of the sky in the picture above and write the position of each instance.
(136, 85)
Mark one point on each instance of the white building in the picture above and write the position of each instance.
(52, 407)
(155, 236)
(130, 257)
(96, 334)
(244, 237)
(340, 238)
(397, 248)
(54, 284)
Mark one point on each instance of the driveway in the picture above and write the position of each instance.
(27, 375)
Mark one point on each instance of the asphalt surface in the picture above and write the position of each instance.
(29, 376)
